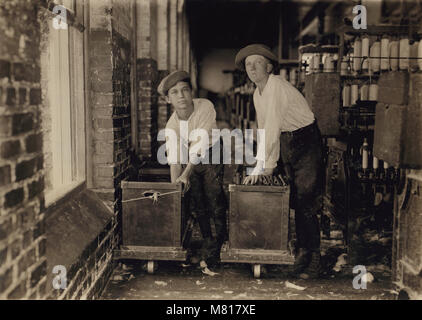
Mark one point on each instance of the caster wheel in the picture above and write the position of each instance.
(150, 267)
(256, 270)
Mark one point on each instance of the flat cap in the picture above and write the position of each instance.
(252, 49)
(171, 80)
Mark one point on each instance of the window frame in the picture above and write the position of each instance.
(66, 94)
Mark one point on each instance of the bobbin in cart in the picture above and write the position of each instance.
(152, 222)
(258, 226)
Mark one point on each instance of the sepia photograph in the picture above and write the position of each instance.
(210, 156)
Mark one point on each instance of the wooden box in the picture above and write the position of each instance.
(161, 174)
(412, 157)
(258, 225)
(152, 221)
(394, 87)
(322, 92)
(388, 136)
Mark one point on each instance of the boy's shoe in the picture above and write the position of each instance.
(313, 270)
(301, 261)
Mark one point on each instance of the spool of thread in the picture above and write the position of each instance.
(317, 62)
(292, 76)
(302, 76)
(375, 162)
(413, 62)
(357, 51)
(386, 165)
(283, 74)
(346, 95)
(404, 53)
(364, 92)
(343, 68)
(375, 53)
(310, 67)
(349, 59)
(385, 64)
(354, 96)
(365, 52)
(373, 92)
(420, 55)
(365, 154)
(394, 54)
(237, 178)
(329, 64)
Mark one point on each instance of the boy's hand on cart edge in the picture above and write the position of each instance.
(252, 179)
(185, 183)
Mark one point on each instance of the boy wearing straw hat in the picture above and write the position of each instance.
(291, 135)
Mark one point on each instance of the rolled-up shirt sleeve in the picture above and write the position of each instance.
(272, 124)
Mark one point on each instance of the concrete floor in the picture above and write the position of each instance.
(171, 281)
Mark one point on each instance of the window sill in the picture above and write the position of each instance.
(58, 195)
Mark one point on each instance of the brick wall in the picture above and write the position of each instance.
(147, 75)
(110, 84)
(22, 232)
(163, 57)
(110, 61)
(163, 107)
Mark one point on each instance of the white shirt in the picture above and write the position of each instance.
(280, 107)
(202, 117)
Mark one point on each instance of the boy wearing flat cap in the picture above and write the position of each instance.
(205, 181)
(291, 133)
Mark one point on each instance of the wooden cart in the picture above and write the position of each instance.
(152, 225)
(258, 226)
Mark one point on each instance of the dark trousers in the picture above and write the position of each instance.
(301, 154)
(207, 200)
